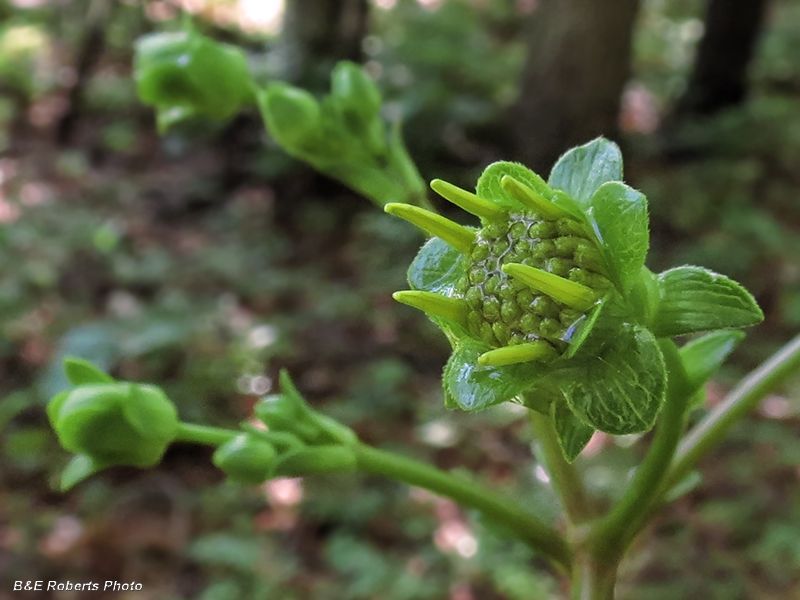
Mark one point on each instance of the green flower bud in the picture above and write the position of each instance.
(315, 461)
(281, 412)
(114, 423)
(292, 115)
(355, 91)
(245, 459)
(289, 412)
(185, 74)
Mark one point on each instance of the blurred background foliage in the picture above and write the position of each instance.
(206, 260)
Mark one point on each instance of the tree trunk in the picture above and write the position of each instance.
(579, 55)
(719, 75)
(89, 54)
(319, 33)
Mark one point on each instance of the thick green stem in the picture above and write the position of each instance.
(564, 477)
(592, 580)
(740, 401)
(201, 434)
(613, 534)
(516, 520)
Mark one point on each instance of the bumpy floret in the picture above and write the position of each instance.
(532, 273)
(504, 310)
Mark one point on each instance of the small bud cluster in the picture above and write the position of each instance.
(503, 311)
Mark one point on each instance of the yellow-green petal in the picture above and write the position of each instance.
(539, 351)
(532, 199)
(574, 295)
(471, 203)
(458, 236)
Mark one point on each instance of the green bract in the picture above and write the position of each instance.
(549, 302)
(108, 423)
(185, 74)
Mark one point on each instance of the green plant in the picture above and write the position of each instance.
(548, 304)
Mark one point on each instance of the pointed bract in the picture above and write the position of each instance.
(574, 295)
(471, 203)
(539, 351)
(532, 199)
(436, 305)
(458, 236)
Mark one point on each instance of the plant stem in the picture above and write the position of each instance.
(202, 434)
(592, 580)
(516, 520)
(564, 477)
(740, 401)
(612, 535)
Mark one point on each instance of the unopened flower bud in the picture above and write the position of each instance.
(114, 423)
(292, 115)
(245, 459)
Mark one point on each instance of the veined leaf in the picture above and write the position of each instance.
(472, 387)
(619, 217)
(703, 357)
(436, 268)
(573, 434)
(581, 171)
(490, 188)
(695, 299)
(621, 389)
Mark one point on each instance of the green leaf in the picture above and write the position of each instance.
(581, 171)
(436, 268)
(78, 469)
(489, 186)
(82, 372)
(619, 217)
(573, 434)
(620, 389)
(472, 387)
(703, 357)
(695, 299)
(683, 487)
(580, 330)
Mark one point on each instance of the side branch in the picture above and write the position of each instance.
(740, 401)
(516, 520)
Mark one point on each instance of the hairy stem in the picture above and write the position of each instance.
(564, 477)
(515, 519)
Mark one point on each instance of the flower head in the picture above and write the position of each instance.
(549, 301)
